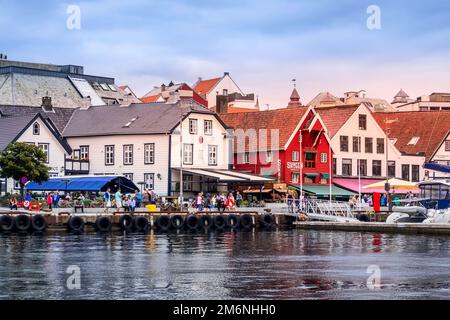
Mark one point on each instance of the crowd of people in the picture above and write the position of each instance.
(129, 202)
(219, 201)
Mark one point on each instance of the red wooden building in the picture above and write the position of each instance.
(267, 143)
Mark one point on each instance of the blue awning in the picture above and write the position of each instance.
(86, 184)
(437, 167)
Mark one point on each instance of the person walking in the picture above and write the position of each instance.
(138, 199)
(146, 198)
(49, 201)
(55, 199)
(213, 202)
(118, 196)
(107, 199)
(230, 203)
(199, 201)
(238, 199)
(290, 198)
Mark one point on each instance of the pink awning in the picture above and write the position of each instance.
(352, 184)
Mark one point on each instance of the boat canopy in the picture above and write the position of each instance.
(437, 167)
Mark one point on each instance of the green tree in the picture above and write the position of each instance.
(23, 160)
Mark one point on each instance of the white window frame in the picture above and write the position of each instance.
(188, 154)
(128, 154)
(193, 126)
(295, 177)
(188, 181)
(36, 129)
(109, 155)
(84, 152)
(46, 148)
(212, 155)
(246, 158)
(149, 177)
(269, 156)
(295, 156)
(149, 153)
(208, 127)
(323, 157)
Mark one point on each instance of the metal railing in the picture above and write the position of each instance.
(324, 207)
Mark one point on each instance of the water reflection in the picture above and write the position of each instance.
(279, 264)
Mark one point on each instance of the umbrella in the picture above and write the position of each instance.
(394, 184)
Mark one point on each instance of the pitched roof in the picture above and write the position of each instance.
(59, 117)
(427, 127)
(402, 94)
(324, 98)
(150, 99)
(139, 118)
(11, 126)
(203, 87)
(335, 117)
(285, 120)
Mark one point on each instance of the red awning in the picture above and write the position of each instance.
(352, 184)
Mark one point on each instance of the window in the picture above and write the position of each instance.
(149, 153)
(225, 92)
(356, 144)
(129, 176)
(36, 129)
(269, 156)
(334, 166)
(188, 153)
(109, 155)
(212, 155)
(346, 167)
(193, 126)
(405, 171)
(128, 154)
(246, 158)
(368, 142)
(84, 152)
(362, 170)
(415, 173)
(447, 145)
(376, 168)
(295, 155)
(295, 177)
(344, 143)
(323, 157)
(380, 145)
(149, 180)
(413, 141)
(362, 122)
(187, 182)
(207, 126)
(391, 169)
(310, 159)
(309, 179)
(16, 185)
(45, 147)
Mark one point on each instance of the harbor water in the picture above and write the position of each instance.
(279, 264)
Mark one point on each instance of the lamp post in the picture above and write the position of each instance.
(359, 172)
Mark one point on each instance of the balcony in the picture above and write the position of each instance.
(76, 166)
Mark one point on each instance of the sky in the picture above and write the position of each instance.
(325, 45)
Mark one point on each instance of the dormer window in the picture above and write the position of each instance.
(36, 129)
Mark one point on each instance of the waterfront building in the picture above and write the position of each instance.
(419, 133)
(40, 127)
(433, 102)
(142, 143)
(297, 154)
(26, 83)
(173, 93)
(362, 148)
(223, 92)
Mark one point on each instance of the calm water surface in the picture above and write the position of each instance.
(284, 264)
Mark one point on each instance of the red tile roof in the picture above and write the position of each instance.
(285, 120)
(204, 86)
(336, 116)
(431, 127)
(150, 99)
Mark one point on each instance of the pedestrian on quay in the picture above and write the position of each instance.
(55, 199)
(213, 202)
(238, 199)
(290, 199)
(146, 198)
(230, 203)
(13, 203)
(138, 198)
(199, 201)
(49, 200)
(222, 202)
(118, 197)
(107, 199)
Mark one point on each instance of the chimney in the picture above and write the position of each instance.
(163, 87)
(226, 74)
(47, 102)
(221, 104)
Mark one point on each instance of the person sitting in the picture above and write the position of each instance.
(13, 203)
